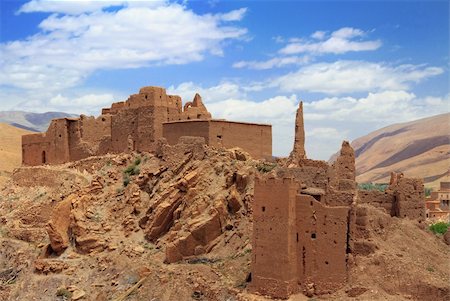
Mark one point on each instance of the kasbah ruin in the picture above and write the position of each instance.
(304, 224)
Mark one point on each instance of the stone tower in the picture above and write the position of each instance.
(298, 152)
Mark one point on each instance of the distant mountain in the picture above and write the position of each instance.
(10, 149)
(418, 148)
(36, 122)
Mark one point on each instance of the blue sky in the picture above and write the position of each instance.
(357, 65)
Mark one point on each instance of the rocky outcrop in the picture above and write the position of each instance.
(58, 226)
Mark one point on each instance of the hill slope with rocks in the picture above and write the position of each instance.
(10, 149)
(35, 122)
(418, 148)
(176, 225)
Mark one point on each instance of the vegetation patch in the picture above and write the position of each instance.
(132, 170)
(439, 228)
(373, 186)
(265, 167)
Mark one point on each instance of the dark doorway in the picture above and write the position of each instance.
(44, 157)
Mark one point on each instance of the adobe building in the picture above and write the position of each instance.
(307, 223)
(136, 125)
(437, 206)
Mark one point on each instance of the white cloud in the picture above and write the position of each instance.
(221, 92)
(275, 62)
(235, 15)
(75, 7)
(319, 35)
(69, 48)
(340, 41)
(354, 76)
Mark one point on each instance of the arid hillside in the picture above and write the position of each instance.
(177, 225)
(10, 149)
(36, 122)
(419, 148)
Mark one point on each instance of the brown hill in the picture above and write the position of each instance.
(176, 225)
(418, 148)
(10, 149)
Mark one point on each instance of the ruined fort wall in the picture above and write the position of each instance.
(274, 268)
(313, 173)
(256, 139)
(409, 198)
(34, 149)
(321, 233)
(379, 199)
(172, 131)
(92, 130)
(51, 147)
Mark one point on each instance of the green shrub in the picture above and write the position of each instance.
(428, 191)
(63, 292)
(439, 228)
(137, 161)
(265, 167)
(373, 186)
(126, 180)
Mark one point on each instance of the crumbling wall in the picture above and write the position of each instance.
(274, 248)
(405, 198)
(321, 239)
(51, 147)
(298, 241)
(136, 125)
(379, 199)
(409, 198)
(313, 173)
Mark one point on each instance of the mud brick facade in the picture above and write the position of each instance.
(307, 224)
(256, 139)
(136, 125)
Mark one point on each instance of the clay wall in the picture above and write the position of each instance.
(93, 130)
(445, 186)
(135, 125)
(172, 131)
(313, 173)
(379, 199)
(256, 139)
(274, 253)
(409, 199)
(321, 239)
(51, 147)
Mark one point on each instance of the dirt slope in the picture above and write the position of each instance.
(419, 148)
(190, 200)
(10, 149)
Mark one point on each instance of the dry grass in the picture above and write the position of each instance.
(10, 149)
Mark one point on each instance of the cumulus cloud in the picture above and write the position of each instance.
(69, 48)
(220, 92)
(346, 39)
(354, 76)
(338, 42)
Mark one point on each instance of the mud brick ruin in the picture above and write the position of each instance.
(136, 125)
(308, 224)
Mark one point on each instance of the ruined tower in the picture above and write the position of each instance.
(298, 151)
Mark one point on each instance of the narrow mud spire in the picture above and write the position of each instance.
(298, 151)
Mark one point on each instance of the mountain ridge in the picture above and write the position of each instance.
(418, 148)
